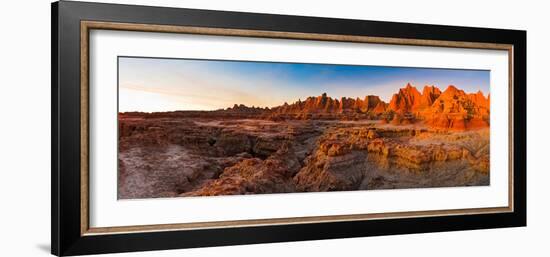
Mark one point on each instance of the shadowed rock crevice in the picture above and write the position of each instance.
(255, 176)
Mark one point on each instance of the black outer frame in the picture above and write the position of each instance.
(65, 166)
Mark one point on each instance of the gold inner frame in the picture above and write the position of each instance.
(86, 26)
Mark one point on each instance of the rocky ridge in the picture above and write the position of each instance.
(419, 139)
(451, 109)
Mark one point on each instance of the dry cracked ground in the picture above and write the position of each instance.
(193, 156)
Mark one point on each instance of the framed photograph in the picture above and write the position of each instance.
(178, 128)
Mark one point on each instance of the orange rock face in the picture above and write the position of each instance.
(406, 100)
(456, 110)
(371, 103)
(429, 95)
(452, 109)
(326, 104)
(325, 107)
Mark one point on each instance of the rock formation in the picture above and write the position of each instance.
(406, 100)
(456, 110)
(452, 109)
(438, 138)
(429, 95)
(325, 107)
(241, 108)
(165, 156)
(255, 176)
(333, 167)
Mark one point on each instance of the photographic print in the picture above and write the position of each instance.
(192, 127)
(171, 131)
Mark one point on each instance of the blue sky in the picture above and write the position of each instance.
(158, 84)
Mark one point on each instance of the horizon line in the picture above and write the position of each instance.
(343, 97)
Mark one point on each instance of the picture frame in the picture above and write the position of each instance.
(72, 23)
